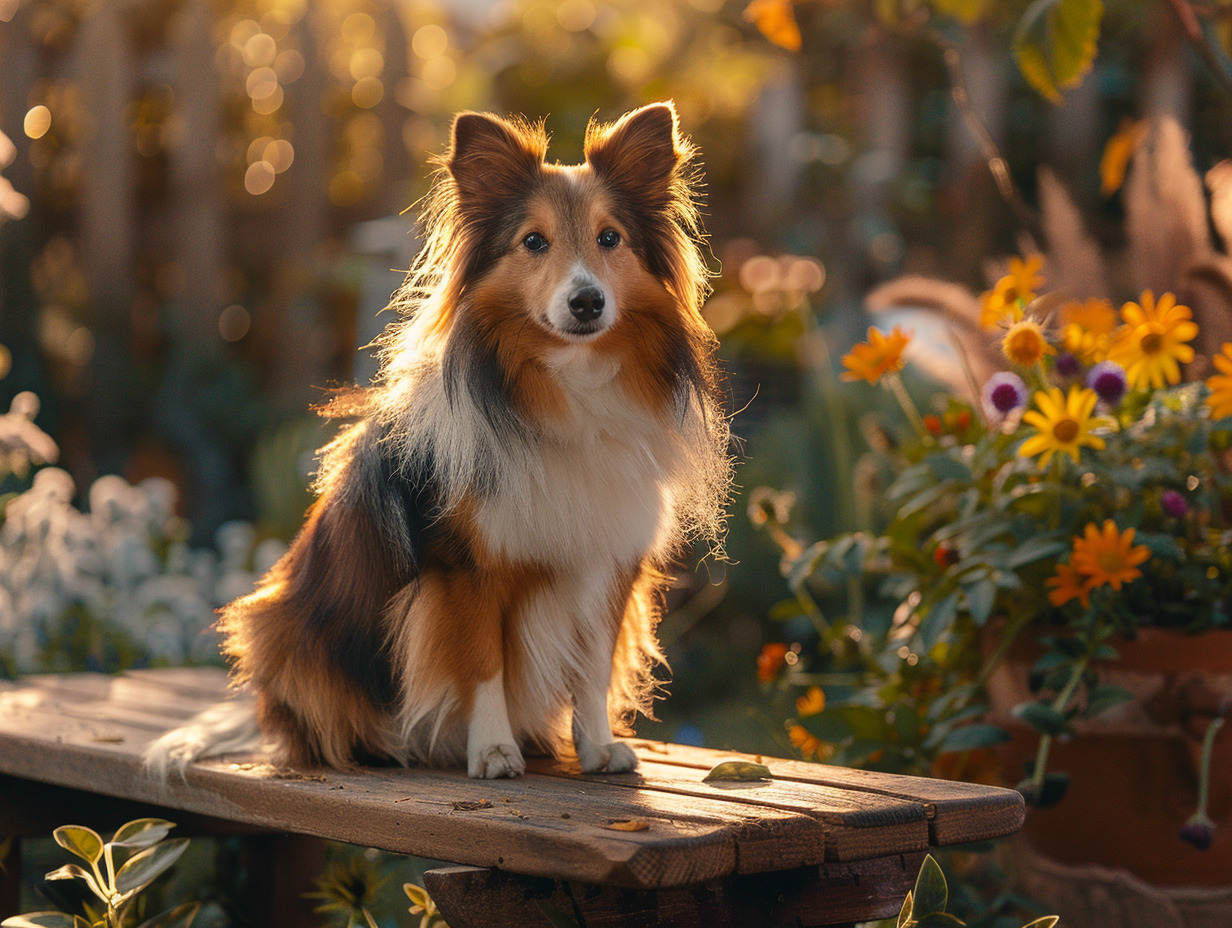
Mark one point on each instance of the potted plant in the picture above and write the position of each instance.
(1049, 587)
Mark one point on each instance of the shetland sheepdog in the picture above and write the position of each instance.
(480, 575)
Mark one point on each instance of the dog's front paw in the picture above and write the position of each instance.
(496, 760)
(607, 758)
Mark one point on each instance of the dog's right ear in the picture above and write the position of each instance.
(490, 156)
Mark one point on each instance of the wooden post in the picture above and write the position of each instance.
(198, 221)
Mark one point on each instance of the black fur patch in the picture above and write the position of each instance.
(471, 364)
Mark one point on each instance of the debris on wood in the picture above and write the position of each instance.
(738, 770)
(631, 824)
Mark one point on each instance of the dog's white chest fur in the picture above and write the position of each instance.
(594, 487)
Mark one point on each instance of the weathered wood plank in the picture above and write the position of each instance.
(834, 894)
(858, 826)
(87, 731)
(533, 825)
(958, 813)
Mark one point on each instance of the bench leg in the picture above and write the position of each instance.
(811, 897)
(281, 868)
(10, 876)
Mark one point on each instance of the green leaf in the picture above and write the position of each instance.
(1056, 42)
(937, 621)
(1048, 921)
(1035, 549)
(180, 917)
(82, 841)
(1102, 698)
(940, 920)
(1160, 545)
(555, 916)
(142, 832)
(45, 920)
(145, 866)
(930, 893)
(74, 872)
(1044, 719)
(973, 738)
(738, 770)
(981, 597)
(905, 914)
(947, 467)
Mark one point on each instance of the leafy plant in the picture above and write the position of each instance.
(925, 906)
(116, 873)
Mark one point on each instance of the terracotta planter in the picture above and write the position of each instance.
(1134, 769)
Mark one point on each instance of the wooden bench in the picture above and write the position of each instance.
(816, 845)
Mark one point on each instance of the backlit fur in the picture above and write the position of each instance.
(480, 573)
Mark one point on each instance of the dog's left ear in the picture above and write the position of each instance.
(641, 152)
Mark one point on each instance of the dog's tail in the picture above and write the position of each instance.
(226, 728)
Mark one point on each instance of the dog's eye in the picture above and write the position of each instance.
(609, 238)
(535, 242)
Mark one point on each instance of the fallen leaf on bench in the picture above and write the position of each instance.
(738, 770)
(628, 825)
(470, 805)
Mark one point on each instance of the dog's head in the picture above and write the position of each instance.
(574, 246)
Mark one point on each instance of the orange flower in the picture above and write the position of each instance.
(808, 744)
(1069, 584)
(813, 702)
(776, 20)
(1220, 384)
(1086, 329)
(771, 660)
(1004, 302)
(879, 356)
(1108, 555)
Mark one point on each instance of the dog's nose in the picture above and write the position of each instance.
(587, 304)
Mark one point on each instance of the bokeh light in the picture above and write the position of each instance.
(37, 121)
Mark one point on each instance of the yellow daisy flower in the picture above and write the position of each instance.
(808, 744)
(1062, 423)
(1152, 346)
(1004, 302)
(1024, 344)
(1086, 329)
(813, 702)
(1107, 555)
(1220, 384)
(877, 357)
(1068, 584)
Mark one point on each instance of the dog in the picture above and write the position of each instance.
(480, 576)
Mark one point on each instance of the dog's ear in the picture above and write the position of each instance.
(641, 152)
(490, 156)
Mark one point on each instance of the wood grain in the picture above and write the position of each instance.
(472, 897)
(87, 732)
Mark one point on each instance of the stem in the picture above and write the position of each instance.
(1012, 629)
(1204, 767)
(895, 385)
(997, 165)
(1187, 16)
(1058, 705)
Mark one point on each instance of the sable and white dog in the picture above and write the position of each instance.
(481, 572)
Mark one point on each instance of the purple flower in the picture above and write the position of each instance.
(1174, 504)
(1003, 393)
(1067, 365)
(1107, 379)
(1198, 831)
